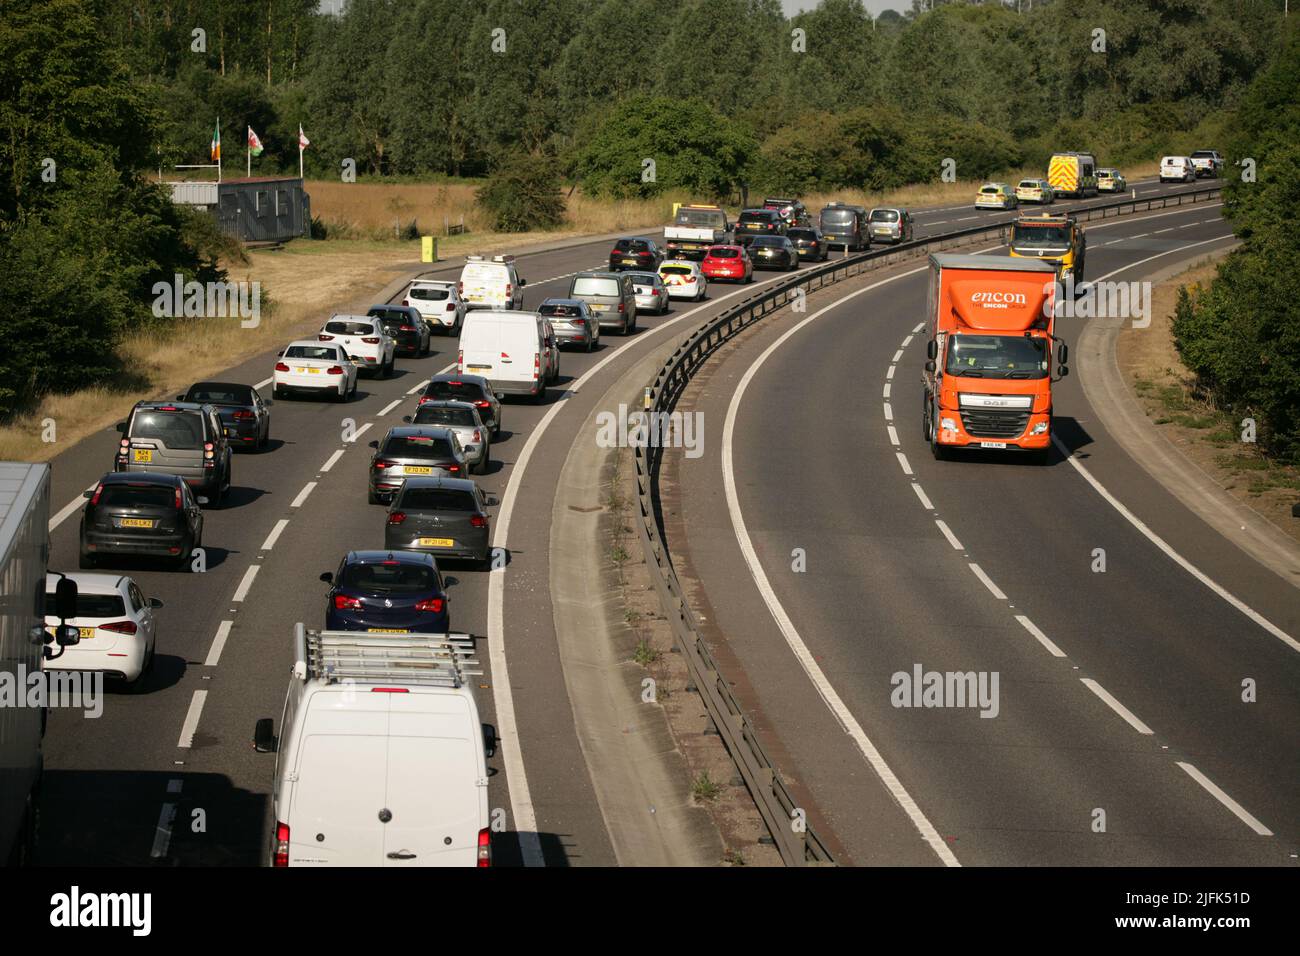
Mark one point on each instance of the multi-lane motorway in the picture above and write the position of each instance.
(167, 776)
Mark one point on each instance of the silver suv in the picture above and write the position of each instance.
(178, 438)
(611, 297)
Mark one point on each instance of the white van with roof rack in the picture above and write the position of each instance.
(381, 758)
(491, 283)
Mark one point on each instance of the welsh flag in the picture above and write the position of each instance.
(254, 144)
(216, 143)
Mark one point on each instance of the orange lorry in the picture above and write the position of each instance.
(989, 370)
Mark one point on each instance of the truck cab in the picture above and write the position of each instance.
(1056, 239)
(695, 229)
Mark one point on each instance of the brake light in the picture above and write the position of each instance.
(460, 362)
(614, 251)
(537, 365)
(484, 847)
(510, 290)
(478, 436)
(408, 328)
(281, 367)
(119, 627)
(453, 468)
(405, 302)
(176, 502)
(397, 517)
(477, 521)
(621, 307)
(482, 403)
(371, 341)
(431, 604)
(98, 491)
(390, 690)
(282, 844)
(460, 288)
(207, 449)
(423, 399)
(334, 370)
(344, 603)
(244, 416)
(322, 337)
(168, 408)
(383, 464)
(451, 306)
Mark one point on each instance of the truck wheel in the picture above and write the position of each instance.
(926, 421)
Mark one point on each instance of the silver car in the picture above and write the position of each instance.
(572, 322)
(890, 224)
(651, 293)
(463, 419)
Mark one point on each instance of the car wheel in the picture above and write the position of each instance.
(87, 561)
(264, 442)
(182, 562)
(482, 467)
(371, 497)
(591, 343)
(926, 418)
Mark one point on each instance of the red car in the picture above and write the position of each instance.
(728, 262)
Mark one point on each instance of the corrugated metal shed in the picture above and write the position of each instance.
(261, 209)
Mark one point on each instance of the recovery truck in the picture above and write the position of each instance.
(24, 551)
(1057, 239)
(695, 228)
(988, 375)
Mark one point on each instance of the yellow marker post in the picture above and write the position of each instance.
(428, 248)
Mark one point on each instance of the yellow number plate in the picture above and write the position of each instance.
(437, 542)
(86, 633)
(137, 522)
(417, 470)
(388, 630)
(143, 454)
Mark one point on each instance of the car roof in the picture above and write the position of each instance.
(722, 245)
(90, 582)
(678, 262)
(602, 273)
(442, 282)
(455, 377)
(391, 305)
(450, 484)
(349, 317)
(405, 557)
(634, 239)
(152, 404)
(142, 478)
(573, 302)
(447, 403)
(314, 343)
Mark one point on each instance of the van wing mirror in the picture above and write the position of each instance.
(489, 740)
(264, 741)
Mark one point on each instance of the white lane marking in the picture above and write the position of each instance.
(1129, 717)
(66, 511)
(888, 386)
(987, 582)
(919, 327)
(1173, 555)
(897, 355)
(245, 583)
(966, 219)
(162, 835)
(906, 342)
(1237, 809)
(1205, 222)
(1040, 636)
(889, 374)
(192, 719)
(889, 412)
(1140, 235)
(902, 463)
(265, 382)
(937, 222)
(893, 435)
(796, 644)
(329, 462)
(218, 644)
(302, 495)
(389, 407)
(521, 804)
(1143, 217)
(359, 432)
(925, 499)
(947, 533)
(420, 386)
(1168, 229)
(274, 536)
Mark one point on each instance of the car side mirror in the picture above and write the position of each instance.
(500, 396)
(522, 283)
(1063, 371)
(407, 419)
(87, 494)
(1062, 353)
(264, 741)
(493, 501)
(450, 582)
(65, 599)
(374, 444)
(155, 603)
(489, 740)
(180, 398)
(327, 576)
(121, 427)
(280, 354)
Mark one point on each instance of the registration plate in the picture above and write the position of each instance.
(143, 454)
(137, 522)
(85, 633)
(308, 371)
(417, 470)
(993, 444)
(388, 630)
(480, 366)
(629, 262)
(436, 542)
(881, 230)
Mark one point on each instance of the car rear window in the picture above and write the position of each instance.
(396, 578)
(765, 242)
(137, 496)
(801, 234)
(701, 218)
(719, 252)
(438, 499)
(469, 391)
(428, 293)
(591, 285)
(442, 415)
(350, 328)
(562, 311)
(884, 215)
(989, 189)
(179, 431)
(761, 215)
(632, 245)
(643, 278)
(677, 270)
(92, 605)
(221, 395)
(838, 216)
(1203, 154)
(326, 353)
(417, 446)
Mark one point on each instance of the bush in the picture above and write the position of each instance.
(523, 194)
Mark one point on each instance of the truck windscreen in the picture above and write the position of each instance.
(996, 356)
(700, 219)
(1039, 237)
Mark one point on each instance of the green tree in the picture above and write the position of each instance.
(523, 194)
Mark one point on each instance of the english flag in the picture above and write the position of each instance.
(303, 141)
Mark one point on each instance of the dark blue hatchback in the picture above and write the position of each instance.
(387, 592)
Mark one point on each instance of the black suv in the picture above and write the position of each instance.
(759, 222)
(141, 514)
(406, 325)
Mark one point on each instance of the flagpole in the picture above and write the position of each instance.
(218, 149)
(248, 150)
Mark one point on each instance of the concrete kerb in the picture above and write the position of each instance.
(630, 752)
(1121, 414)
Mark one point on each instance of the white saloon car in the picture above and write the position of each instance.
(684, 279)
(364, 338)
(651, 292)
(117, 627)
(315, 367)
(439, 302)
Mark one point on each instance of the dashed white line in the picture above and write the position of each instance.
(888, 386)
(889, 372)
(192, 719)
(389, 407)
(274, 536)
(218, 644)
(902, 462)
(919, 327)
(897, 355)
(265, 382)
(66, 511)
(893, 435)
(987, 582)
(1237, 809)
(925, 499)
(1039, 636)
(302, 495)
(889, 412)
(906, 342)
(329, 462)
(245, 583)
(359, 432)
(1129, 717)
(947, 533)
(162, 836)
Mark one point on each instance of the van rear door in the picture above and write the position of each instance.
(334, 816)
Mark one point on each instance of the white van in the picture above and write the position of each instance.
(491, 283)
(381, 759)
(516, 351)
(1177, 169)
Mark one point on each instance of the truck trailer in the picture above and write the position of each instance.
(989, 370)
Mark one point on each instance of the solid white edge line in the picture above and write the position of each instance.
(274, 536)
(925, 499)
(302, 495)
(947, 533)
(1042, 638)
(1237, 809)
(245, 583)
(390, 406)
(218, 644)
(800, 650)
(329, 462)
(66, 511)
(987, 581)
(191, 724)
(1129, 717)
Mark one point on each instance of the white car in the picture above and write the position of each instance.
(1177, 169)
(651, 292)
(1035, 190)
(315, 367)
(364, 338)
(996, 196)
(118, 633)
(439, 303)
(491, 283)
(684, 279)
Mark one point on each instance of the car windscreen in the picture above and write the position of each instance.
(429, 293)
(417, 446)
(720, 252)
(395, 578)
(137, 496)
(91, 605)
(701, 218)
(441, 415)
(593, 285)
(437, 499)
(350, 328)
(996, 356)
(177, 430)
(468, 391)
(221, 394)
(324, 353)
